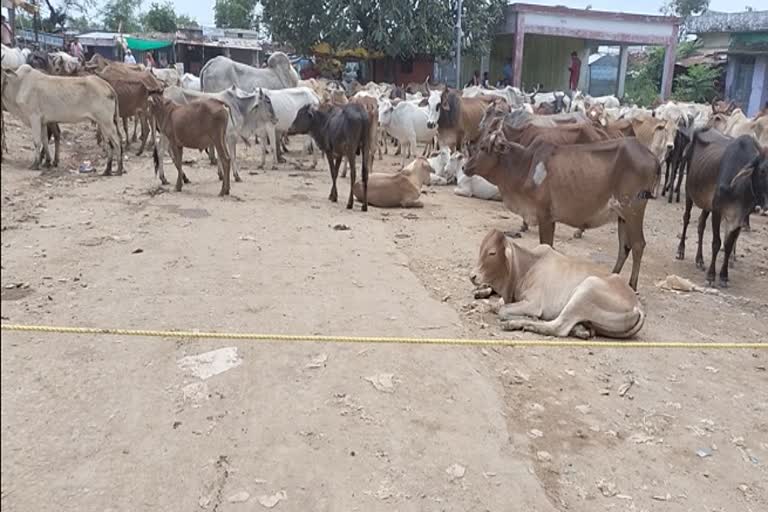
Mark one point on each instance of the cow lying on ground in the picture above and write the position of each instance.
(552, 294)
(582, 185)
(473, 186)
(339, 132)
(199, 125)
(400, 189)
(38, 99)
(726, 178)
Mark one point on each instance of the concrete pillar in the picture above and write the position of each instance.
(759, 85)
(621, 79)
(517, 62)
(730, 74)
(669, 65)
(583, 84)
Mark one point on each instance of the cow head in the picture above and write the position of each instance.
(303, 121)
(454, 165)
(596, 114)
(496, 265)
(434, 105)
(718, 121)
(265, 106)
(385, 112)
(755, 175)
(486, 161)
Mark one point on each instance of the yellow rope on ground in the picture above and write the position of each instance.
(383, 339)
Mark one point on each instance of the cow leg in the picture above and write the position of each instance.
(111, 133)
(546, 232)
(352, 176)
(686, 219)
(226, 165)
(681, 168)
(344, 169)
(284, 143)
(144, 133)
(158, 154)
(276, 158)
(45, 153)
(125, 129)
(56, 143)
(624, 246)
(515, 310)
(177, 154)
(636, 241)
(333, 164)
(3, 145)
(699, 251)
(136, 121)
(730, 247)
(212, 156)
(668, 162)
(232, 146)
(278, 146)
(593, 303)
(716, 243)
(38, 132)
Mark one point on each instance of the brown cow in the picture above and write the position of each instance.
(133, 88)
(583, 185)
(403, 188)
(549, 293)
(198, 125)
(457, 118)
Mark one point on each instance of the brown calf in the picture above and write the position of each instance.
(198, 125)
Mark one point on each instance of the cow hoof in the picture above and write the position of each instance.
(349, 206)
(578, 233)
(680, 254)
(237, 179)
(164, 182)
(178, 188)
(700, 265)
(281, 160)
(582, 331)
(723, 282)
(274, 167)
(364, 208)
(511, 325)
(224, 193)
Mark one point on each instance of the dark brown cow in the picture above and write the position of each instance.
(583, 185)
(339, 132)
(727, 178)
(198, 125)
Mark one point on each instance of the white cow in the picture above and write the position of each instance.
(168, 76)
(38, 99)
(62, 63)
(408, 123)
(513, 95)
(286, 103)
(222, 72)
(551, 97)
(473, 186)
(13, 58)
(190, 82)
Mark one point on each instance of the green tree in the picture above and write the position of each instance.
(160, 18)
(696, 84)
(394, 27)
(184, 20)
(122, 13)
(684, 8)
(79, 24)
(237, 13)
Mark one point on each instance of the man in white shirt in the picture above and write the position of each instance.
(129, 58)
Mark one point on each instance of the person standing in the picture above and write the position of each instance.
(475, 80)
(486, 83)
(129, 58)
(7, 33)
(508, 72)
(149, 60)
(575, 70)
(76, 50)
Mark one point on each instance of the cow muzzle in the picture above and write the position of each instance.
(430, 125)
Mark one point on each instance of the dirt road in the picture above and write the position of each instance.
(111, 423)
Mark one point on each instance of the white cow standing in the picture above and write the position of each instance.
(190, 82)
(408, 123)
(286, 103)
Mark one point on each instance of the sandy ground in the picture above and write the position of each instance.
(116, 423)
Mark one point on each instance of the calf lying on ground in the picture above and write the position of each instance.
(402, 188)
(199, 125)
(552, 294)
(474, 186)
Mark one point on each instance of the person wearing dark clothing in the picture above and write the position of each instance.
(575, 70)
(486, 83)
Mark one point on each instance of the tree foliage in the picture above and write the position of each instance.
(122, 13)
(684, 8)
(395, 27)
(184, 20)
(237, 13)
(160, 18)
(697, 84)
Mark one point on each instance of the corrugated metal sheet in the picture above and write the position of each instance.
(713, 21)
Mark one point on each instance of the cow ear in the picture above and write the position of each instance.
(509, 254)
(745, 173)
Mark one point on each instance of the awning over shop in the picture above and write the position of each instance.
(144, 45)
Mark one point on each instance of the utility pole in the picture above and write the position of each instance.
(458, 45)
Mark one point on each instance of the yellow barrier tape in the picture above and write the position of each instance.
(383, 339)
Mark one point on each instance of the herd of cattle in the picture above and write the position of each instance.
(550, 157)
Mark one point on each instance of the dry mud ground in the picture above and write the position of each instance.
(97, 423)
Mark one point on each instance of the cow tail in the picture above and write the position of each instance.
(156, 158)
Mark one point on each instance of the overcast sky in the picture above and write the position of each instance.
(202, 10)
